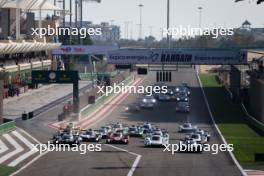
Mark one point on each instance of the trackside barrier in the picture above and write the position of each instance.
(7, 127)
(100, 100)
(257, 125)
(243, 173)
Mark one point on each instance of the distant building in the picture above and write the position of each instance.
(20, 56)
(246, 28)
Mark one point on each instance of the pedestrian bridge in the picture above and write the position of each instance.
(176, 56)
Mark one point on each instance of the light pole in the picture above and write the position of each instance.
(200, 16)
(80, 9)
(126, 29)
(76, 13)
(70, 13)
(131, 30)
(140, 21)
(168, 23)
(197, 67)
(150, 30)
(63, 7)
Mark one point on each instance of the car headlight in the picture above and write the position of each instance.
(178, 99)
(186, 99)
(177, 89)
(144, 100)
(154, 101)
(127, 108)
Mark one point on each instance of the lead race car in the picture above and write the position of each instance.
(117, 138)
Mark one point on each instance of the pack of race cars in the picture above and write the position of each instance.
(151, 134)
(117, 133)
(180, 94)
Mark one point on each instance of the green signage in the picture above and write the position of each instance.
(60, 77)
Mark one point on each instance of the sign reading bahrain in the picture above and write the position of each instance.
(177, 56)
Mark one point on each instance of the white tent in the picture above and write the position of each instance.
(21, 47)
(31, 5)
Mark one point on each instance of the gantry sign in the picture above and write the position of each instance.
(59, 77)
(178, 56)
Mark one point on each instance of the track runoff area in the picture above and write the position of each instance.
(139, 135)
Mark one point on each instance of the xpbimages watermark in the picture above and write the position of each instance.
(81, 32)
(191, 32)
(117, 89)
(213, 148)
(81, 148)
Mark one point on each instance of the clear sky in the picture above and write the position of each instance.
(219, 13)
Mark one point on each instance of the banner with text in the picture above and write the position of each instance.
(177, 56)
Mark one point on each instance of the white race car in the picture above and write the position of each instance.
(187, 128)
(156, 140)
(192, 146)
(203, 134)
(196, 138)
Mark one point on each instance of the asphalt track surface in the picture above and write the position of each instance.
(115, 162)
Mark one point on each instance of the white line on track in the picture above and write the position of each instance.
(29, 163)
(3, 147)
(25, 155)
(134, 166)
(26, 133)
(17, 150)
(34, 159)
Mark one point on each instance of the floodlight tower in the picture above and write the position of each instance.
(140, 21)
